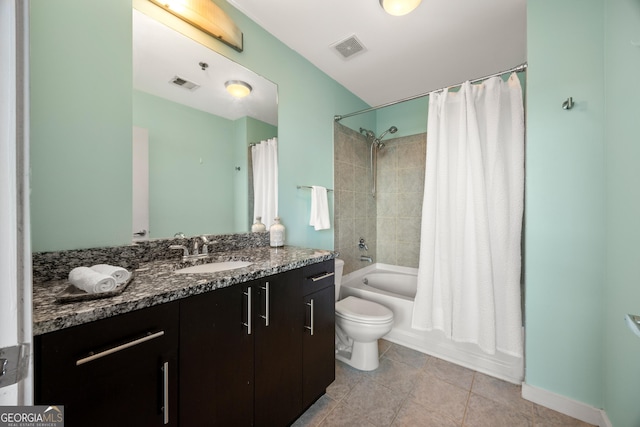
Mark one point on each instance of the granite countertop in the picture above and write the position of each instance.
(155, 283)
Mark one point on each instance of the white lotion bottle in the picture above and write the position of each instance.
(276, 233)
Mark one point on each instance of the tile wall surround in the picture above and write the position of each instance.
(50, 266)
(390, 223)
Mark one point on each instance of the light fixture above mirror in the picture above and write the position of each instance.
(399, 7)
(238, 88)
(206, 16)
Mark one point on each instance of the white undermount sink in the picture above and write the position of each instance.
(214, 267)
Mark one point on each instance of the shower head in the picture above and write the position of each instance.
(392, 129)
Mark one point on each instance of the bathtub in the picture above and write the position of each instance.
(395, 288)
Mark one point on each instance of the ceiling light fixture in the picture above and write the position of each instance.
(399, 7)
(238, 88)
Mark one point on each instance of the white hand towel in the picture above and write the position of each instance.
(91, 281)
(319, 208)
(120, 274)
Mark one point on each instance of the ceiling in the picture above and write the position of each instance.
(441, 43)
(160, 54)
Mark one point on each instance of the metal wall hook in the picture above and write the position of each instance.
(568, 104)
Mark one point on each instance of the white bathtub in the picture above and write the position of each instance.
(395, 288)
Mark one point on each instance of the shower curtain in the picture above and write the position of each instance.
(264, 157)
(469, 271)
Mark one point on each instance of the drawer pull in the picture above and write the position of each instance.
(310, 328)
(265, 288)
(93, 357)
(323, 276)
(165, 392)
(249, 315)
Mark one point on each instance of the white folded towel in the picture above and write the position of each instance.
(120, 274)
(319, 208)
(91, 281)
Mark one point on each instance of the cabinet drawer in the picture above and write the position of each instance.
(124, 366)
(318, 276)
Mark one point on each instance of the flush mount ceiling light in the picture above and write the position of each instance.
(206, 16)
(238, 88)
(399, 7)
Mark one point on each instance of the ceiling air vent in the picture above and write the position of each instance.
(184, 83)
(349, 47)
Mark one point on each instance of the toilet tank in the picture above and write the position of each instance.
(339, 267)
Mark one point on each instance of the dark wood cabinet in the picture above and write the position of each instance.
(318, 356)
(216, 359)
(117, 371)
(242, 355)
(278, 349)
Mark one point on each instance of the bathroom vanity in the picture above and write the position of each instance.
(250, 346)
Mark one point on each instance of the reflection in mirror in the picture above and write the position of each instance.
(198, 134)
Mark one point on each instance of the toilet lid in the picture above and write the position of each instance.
(357, 309)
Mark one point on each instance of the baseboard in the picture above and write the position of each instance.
(565, 405)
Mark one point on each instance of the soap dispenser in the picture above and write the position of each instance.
(276, 233)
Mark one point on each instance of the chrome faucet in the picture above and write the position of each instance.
(200, 242)
(196, 245)
(366, 258)
(205, 244)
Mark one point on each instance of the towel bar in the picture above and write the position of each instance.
(308, 186)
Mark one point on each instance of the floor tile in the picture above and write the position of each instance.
(484, 412)
(395, 375)
(412, 415)
(450, 372)
(406, 355)
(376, 402)
(346, 378)
(316, 413)
(502, 392)
(440, 396)
(343, 416)
(416, 390)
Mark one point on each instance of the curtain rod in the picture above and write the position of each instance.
(521, 67)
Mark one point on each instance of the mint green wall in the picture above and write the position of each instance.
(83, 47)
(565, 197)
(622, 292)
(191, 171)
(80, 123)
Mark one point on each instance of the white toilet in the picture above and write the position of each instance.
(359, 325)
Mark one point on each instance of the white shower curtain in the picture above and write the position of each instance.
(264, 158)
(469, 272)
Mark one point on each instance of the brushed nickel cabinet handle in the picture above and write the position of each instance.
(265, 288)
(248, 322)
(165, 392)
(324, 276)
(310, 328)
(121, 347)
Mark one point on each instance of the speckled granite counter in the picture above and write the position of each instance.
(156, 283)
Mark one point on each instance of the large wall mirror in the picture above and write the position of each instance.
(192, 135)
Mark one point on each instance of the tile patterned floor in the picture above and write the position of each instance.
(413, 389)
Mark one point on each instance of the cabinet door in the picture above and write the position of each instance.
(216, 358)
(318, 355)
(117, 371)
(278, 352)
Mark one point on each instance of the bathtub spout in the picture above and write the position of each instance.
(366, 258)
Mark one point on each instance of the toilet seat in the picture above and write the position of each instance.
(363, 311)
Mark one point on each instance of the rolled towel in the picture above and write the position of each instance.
(120, 274)
(91, 281)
